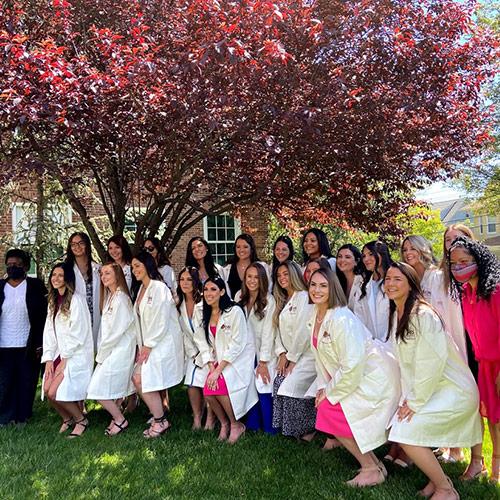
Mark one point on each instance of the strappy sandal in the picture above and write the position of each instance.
(123, 427)
(84, 425)
(355, 483)
(452, 489)
(151, 433)
(68, 423)
(483, 472)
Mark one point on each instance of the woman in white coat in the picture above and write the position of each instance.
(87, 279)
(119, 251)
(68, 349)
(350, 270)
(160, 360)
(155, 247)
(315, 245)
(293, 413)
(189, 307)
(372, 305)
(439, 402)
(358, 381)
(115, 358)
(259, 306)
(226, 346)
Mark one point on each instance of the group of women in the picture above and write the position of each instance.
(360, 347)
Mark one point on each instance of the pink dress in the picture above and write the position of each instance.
(330, 419)
(482, 322)
(222, 387)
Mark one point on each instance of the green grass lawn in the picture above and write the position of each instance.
(36, 462)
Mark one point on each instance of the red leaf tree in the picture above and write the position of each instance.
(331, 110)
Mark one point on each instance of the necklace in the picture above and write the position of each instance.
(320, 320)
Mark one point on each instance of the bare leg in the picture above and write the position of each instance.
(426, 461)
(370, 473)
(79, 418)
(210, 421)
(195, 395)
(330, 444)
(476, 467)
(67, 419)
(495, 461)
(113, 409)
(237, 428)
(221, 416)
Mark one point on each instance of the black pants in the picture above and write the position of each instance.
(19, 371)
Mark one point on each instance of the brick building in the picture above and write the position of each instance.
(220, 231)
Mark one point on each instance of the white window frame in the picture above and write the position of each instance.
(237, 232)
(17, 226)
(493, 222)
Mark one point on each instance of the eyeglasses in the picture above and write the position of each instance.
(150, 249)
(75, 244)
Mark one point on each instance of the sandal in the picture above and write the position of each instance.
(451, 489)
(84, 423)
(153, 434)
(358, 483)
(68, 423)
(483, 472)
(123, 427)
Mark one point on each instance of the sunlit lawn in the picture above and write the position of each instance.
(35, 462)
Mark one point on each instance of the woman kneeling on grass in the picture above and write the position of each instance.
(439, 402)
(357, 385)
(227, 347)
(68, 349)
(115, 359)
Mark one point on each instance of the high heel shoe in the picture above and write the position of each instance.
(84, 423)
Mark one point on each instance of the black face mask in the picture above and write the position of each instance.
(15, 272)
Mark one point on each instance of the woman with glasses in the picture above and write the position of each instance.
(155, 247)
(87, 279)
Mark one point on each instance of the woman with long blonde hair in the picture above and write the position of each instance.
(293, 413)
(111, 380)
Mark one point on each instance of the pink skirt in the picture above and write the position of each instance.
(221, 389)
(490, 401)
(330, 419)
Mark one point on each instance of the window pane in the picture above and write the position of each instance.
(221, 234)
(221, 222)
(211, 221)
(230, 234)
(212, 234)
(221, 249)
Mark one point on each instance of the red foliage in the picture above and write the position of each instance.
(335, 110)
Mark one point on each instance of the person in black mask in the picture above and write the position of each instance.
(23, 308)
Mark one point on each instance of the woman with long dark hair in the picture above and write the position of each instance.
(155, 247)
(439, 401)
(293, 413)
(245, 253)
(475, 273)
(315, 245)
(372, 306)
(226, 346)
(199, 255)
(357, 383)
(160, 360)
(259, 306)
(87, 280)
(189, 307)
(350, 270)
(282, 250)
(119, 251)
(68, 349)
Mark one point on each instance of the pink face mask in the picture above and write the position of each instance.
(465, 272)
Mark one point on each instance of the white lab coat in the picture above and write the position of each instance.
(127, 272)
(96, 293)
(263, 334)
(168, 276)
(374, 313)
(355, 292)
(116, 355)
(438, 387)
(233, 343)
(432, 285)
(358, 373)
(158, 327)
(293, 338)
(195, 374)
(70, 337)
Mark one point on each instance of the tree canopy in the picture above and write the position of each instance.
(332, 110)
